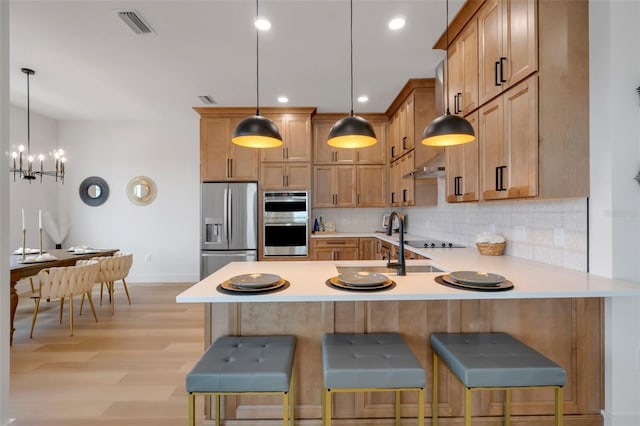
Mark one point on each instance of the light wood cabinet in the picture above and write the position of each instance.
(334, 186)
(335, 249)
(394, 184)
(290, 176)
(463, 71)
(508, 129)
(296, 138)
(370, 249)
(220, 159)
(508, 48)
(407, 188)
(326, 154)
(462, 179)
(522, 39)
(371, 185)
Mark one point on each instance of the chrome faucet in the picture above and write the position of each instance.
(401, 264)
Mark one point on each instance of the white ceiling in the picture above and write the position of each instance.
(90, 66)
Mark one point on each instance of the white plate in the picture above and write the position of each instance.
(37, 259)
(85, 251)
(362, 278)
(27, 251)
(474, 277)
(257, 280)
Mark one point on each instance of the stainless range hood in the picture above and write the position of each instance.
(433, 168)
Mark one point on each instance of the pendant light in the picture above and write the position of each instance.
(351, 131)
(27, 171)
(448, 129)
(257, 131)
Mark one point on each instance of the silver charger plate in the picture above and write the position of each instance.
(450, 282)
(336, 283)
(475, 277)
(255, 280)
(228, 288)
(362, 278)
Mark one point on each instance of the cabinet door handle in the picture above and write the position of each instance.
(456, 103)
(333, 255)
(393, 197)
(357, 199)
(456, 185)
(229, 167)
(393, 151)
(502, 80)
(500, 178)
(497, 65)
(404, 142)
(404, 195)
(497, 178)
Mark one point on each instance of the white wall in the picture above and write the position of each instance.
(164, 235)
(615, 196)
(32, 195)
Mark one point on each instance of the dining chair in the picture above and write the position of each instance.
(112, 269)
(65, 282)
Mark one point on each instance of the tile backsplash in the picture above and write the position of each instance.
(548, 231)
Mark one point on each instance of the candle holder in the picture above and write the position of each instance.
(24, 242)
(41, 241)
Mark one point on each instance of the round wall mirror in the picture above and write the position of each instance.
(141, 190)
(94, 191)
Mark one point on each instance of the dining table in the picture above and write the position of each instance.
(63, 257)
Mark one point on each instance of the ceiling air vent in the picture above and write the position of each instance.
(207, 100)
(134, 21)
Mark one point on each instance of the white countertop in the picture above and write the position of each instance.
(531, 279)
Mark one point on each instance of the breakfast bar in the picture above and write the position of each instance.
(555, 310)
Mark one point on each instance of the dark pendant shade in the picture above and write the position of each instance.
(448, 130)
(351, 132)
(257, 132)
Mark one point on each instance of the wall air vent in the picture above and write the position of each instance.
(134, 21)
(207, 100)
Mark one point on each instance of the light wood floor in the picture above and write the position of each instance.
(127, 369)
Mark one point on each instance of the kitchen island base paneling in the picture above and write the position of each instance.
(567, 330)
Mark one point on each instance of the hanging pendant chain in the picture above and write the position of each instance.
(28, 119)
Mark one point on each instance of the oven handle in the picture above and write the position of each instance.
(286, 224)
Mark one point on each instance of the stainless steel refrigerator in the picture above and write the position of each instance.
(229, 225)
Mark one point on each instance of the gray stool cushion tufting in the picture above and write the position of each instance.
(376, 360)
(244, 364)
(495, 360)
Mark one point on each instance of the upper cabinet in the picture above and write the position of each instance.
(507, 41)
(326, 154)
(220, 159)
(533, 99)
(295, 128)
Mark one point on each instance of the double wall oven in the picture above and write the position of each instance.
(286, 223)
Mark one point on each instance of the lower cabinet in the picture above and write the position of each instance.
(370, 249)
(573, 337)
(335, 249)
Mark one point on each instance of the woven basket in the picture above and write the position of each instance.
(491, 249)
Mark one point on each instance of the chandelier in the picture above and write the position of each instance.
(22, 163)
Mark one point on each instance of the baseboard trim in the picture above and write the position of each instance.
(620, 419)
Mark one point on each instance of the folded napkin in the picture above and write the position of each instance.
(27, 250)
(39, 258)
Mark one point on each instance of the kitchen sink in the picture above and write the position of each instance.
(386, 270)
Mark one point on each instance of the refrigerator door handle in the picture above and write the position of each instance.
(230, 215)
(225, 213)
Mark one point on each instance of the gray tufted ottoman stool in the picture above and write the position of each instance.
(245, 365)
(356, 362)
(494, 361)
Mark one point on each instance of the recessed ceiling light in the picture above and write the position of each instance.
(283, 99)
(363, 99)
(397, 23)
(262, 24)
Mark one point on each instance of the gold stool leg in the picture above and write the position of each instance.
(421, 407)
(285, 408)
(61, 308)
(217, 409)
(434, 414)
(467, 407)
(397, 408)
(192, 409)
(126, 290)
(559, 408)
(507, 407)
(93, 309)
(71, 314)
(327, 408)
(292, 402)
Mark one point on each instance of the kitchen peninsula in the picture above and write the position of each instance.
(557, 311)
